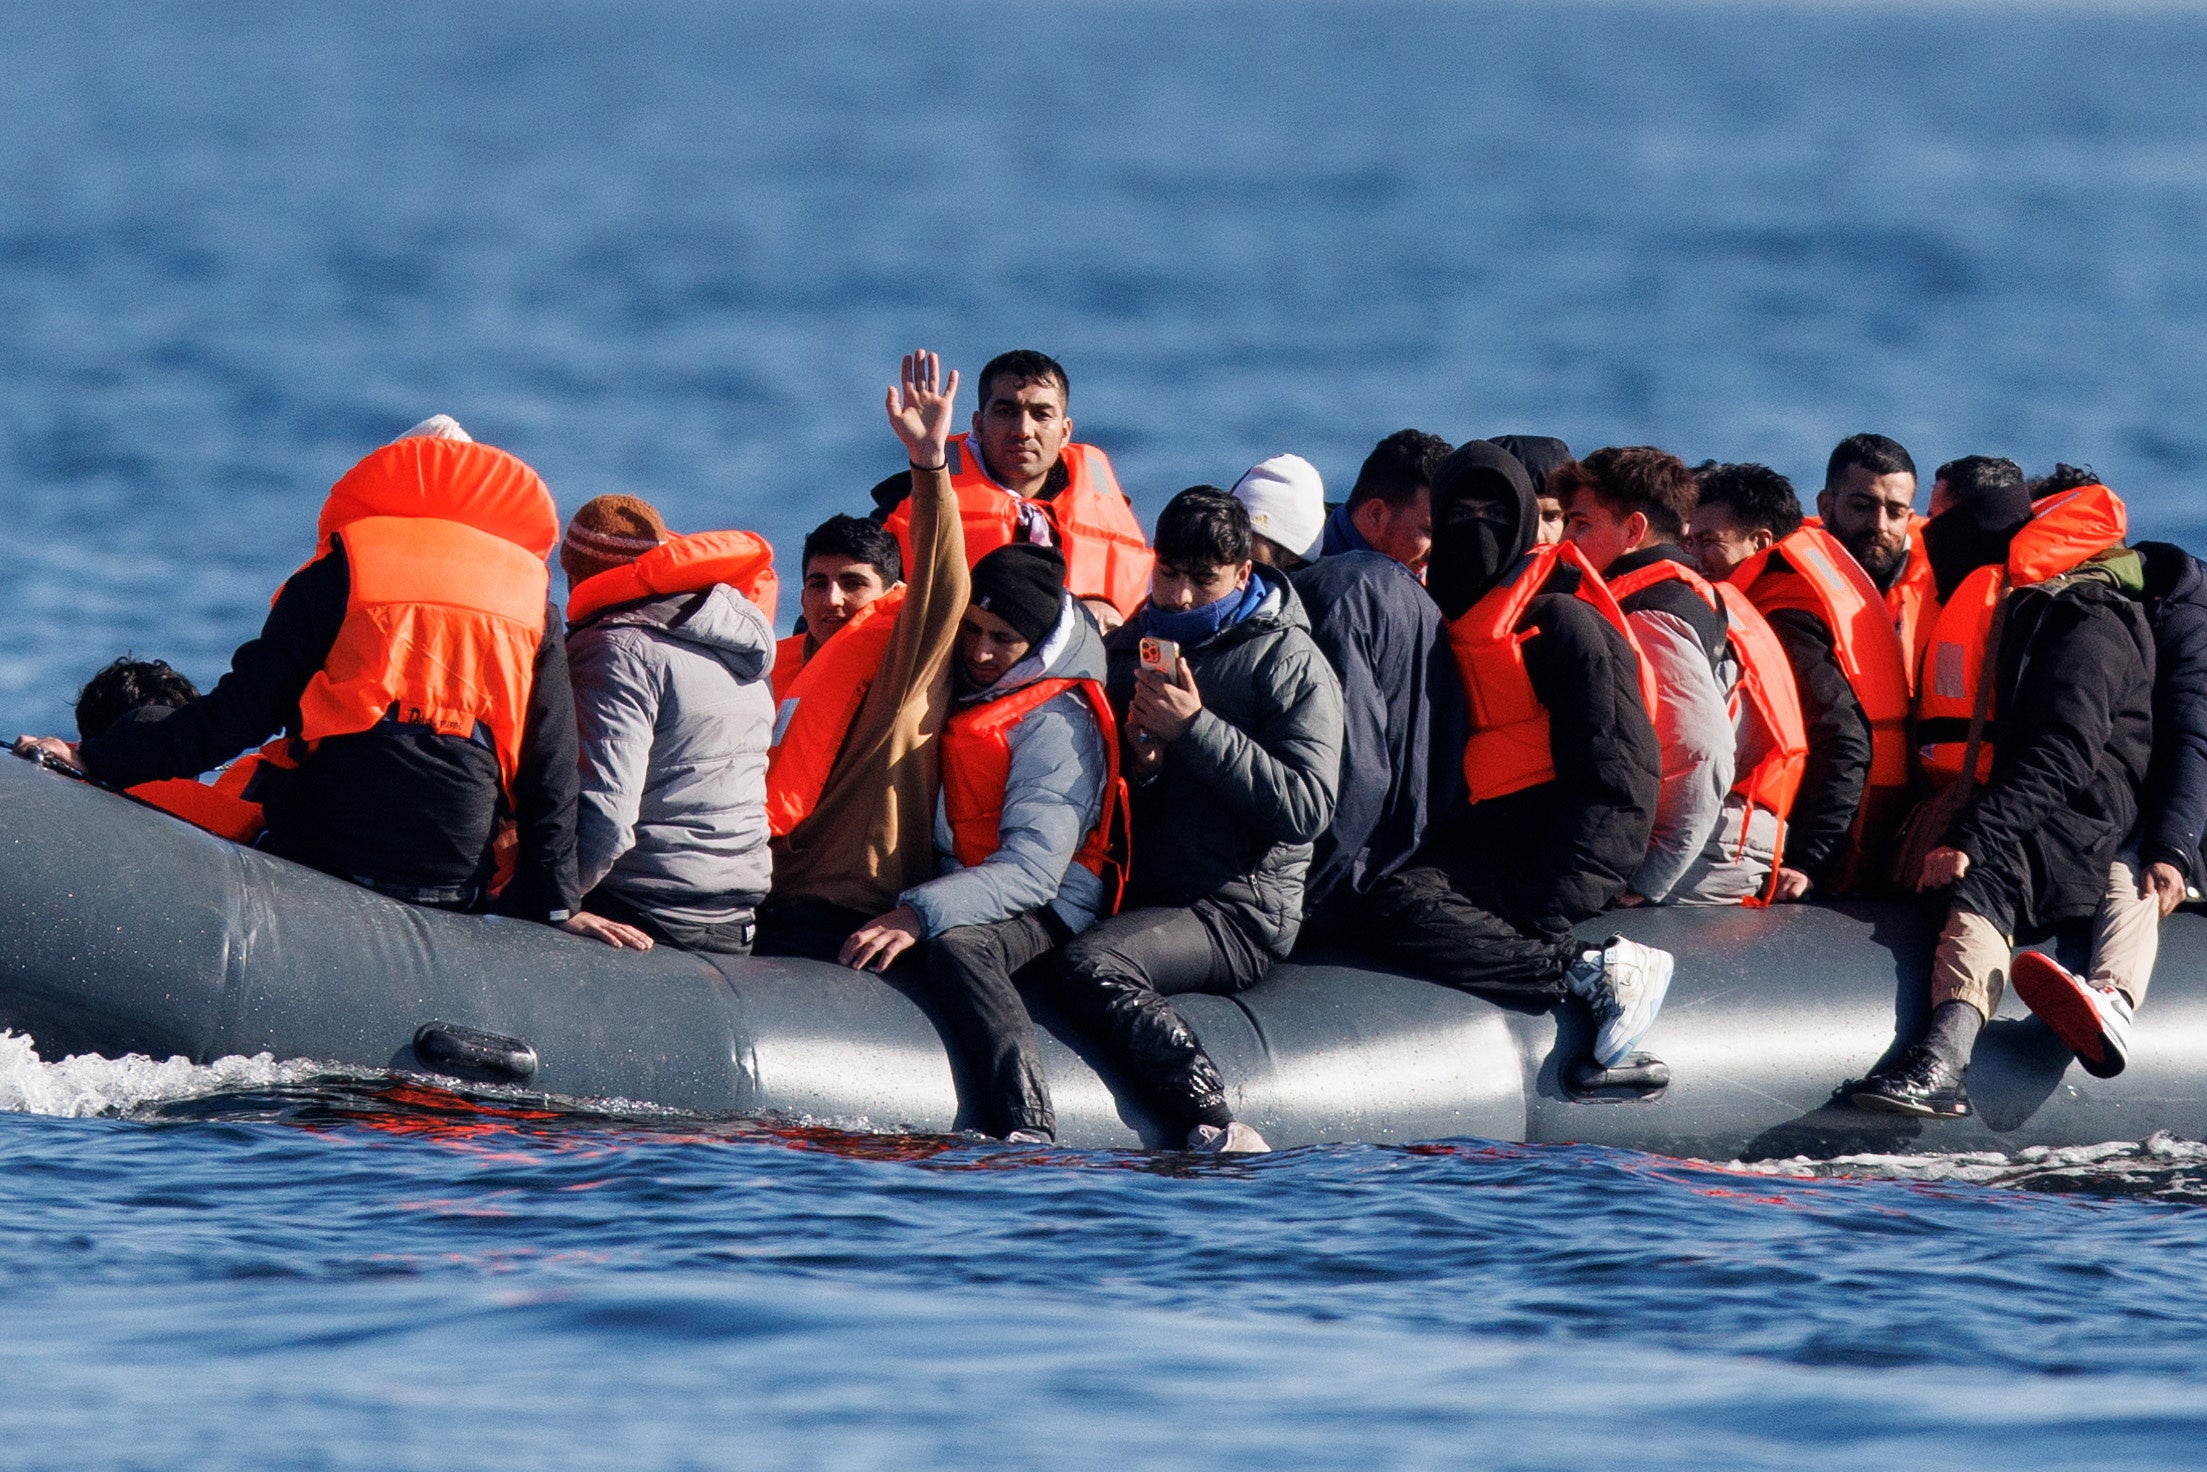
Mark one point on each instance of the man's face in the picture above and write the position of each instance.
(1404, 533)
(1022, 430)
(836, 588)
(1602, 536)
(1176, 589)
(1869, 515)
(1942, 499)
(1551, 522)
(1719, 543)
(988, 647)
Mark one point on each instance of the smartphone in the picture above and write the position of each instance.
(1161, 655)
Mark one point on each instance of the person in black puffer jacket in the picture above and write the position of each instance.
(1234, 763)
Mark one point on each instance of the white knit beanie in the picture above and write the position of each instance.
(1287, 502)
(437, 427)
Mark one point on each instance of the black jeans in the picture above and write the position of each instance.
(1445, 917)
(812, 929)
(969, 974)
(728, 938)
(1116, 978)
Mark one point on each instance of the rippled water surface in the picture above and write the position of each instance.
(672, 248)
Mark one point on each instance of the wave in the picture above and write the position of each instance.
(85, 1085)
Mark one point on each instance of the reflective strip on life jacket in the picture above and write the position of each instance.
(2065, 530)
(1106, 555)
(1765, 684)
(442, 625)
(814, 718)
(1508, 749)
(789, 660)
(977, 763)
(691, 564)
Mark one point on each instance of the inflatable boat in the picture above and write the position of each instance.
(123, 930)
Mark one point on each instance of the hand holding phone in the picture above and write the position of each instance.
(1161, 655)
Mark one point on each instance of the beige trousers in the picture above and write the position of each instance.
(1972, 960)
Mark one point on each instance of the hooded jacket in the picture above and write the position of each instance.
(675, 713)
(2175, 807)
(1244, 795)
(1053, 798)
(1403, 705)
(2073, 710)
(1563, 849)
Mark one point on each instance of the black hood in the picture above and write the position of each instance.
(1485, 517)
(1973, 533)
(1538, 453)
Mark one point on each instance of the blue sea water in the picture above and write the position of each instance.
(673, 248)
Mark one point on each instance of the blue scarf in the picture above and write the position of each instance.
(1199, 626)
(1341, 534)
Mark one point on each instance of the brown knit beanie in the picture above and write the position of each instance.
(608, 533)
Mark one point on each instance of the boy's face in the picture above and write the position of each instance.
(1176, 589)
(1551, 522)
(835, 588)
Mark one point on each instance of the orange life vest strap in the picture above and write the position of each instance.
(691, 564)
(789, 660)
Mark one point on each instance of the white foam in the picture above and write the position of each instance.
(86, 1084)
(2159, 1150)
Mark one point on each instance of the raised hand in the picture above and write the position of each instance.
(920, 412)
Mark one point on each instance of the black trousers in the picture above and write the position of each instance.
(970, 973)
(812, 929)
(1114, 984)
(1445, 918)
(729, 938)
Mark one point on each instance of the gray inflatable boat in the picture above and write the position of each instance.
(123, 930)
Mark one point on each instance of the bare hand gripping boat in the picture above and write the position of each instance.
(123, 930)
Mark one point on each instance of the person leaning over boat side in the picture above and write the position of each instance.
(1020, 477)
(853, 776)
(1023, 833)
(1624, 509)
(2154, 870)
(1539, 454)
(1286, 500)
(1848, 670)
(2034, 725)
(1390, 508)
(417, 662)
(669, 649)
(1234, 756)
(847, 562)
(1868, 504)
(1561, 769)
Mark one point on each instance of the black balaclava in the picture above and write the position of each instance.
(1485, 518)
(1974, 532)
(1538, 453)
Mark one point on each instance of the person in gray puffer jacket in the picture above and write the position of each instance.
(1235, 756)
(675, 710)
(1026, 774)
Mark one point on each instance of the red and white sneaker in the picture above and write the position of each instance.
(2094, 1021)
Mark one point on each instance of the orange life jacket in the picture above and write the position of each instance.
(814, 718)
(977, 762)
(446, 543)
(789, 659)
(1913, 600)
(690, 564)
(1508, 749)
(224, 807)
(2065, 530)
(1106, 555)
(1765, 684)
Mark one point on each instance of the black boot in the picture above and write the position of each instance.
(1927, 1079)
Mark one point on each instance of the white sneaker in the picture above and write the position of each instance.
(2094, 1021)
(1234, 1139)
(1624, 983)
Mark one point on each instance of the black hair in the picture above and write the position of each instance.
(1873, 452)
(1629, 478)
(1203, 526)
(859, 538)
(1399, 467)
(127, 685)
(1976, 476)
(2065, 477)
(1023, 365)
(1759, 498)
